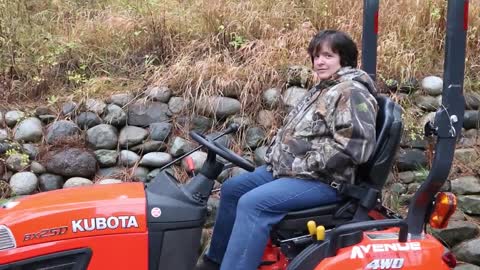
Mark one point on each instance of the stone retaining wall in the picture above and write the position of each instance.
(127, 138)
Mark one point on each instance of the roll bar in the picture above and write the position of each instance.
(448, 121)
(369, 37)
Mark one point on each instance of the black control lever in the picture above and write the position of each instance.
(429, 129)
(230, 129)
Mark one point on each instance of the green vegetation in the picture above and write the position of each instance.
(55, 47)
(55, 50)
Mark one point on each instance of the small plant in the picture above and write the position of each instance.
(76, 78)
(392, 201)
(52, 100)
(5, 191)
(422, 174)
(37, 79)
(13, 146)
(414, 131)
(413, 128)
(435, 14)
(149, 60)
(391, 85)
(24, 158)
(237, 41)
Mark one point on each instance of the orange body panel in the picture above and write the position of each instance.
(76, 213)
(275, 257)
(111, 221)
(119, 252)
(423, 253)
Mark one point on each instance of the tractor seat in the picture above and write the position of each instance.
(372, 175)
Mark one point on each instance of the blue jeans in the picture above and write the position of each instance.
(250, 204)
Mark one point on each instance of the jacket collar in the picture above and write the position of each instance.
(349, 73)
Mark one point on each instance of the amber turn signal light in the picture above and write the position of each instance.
(445, 206)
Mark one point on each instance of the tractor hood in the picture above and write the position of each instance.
(73, 213)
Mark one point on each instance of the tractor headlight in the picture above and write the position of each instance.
(7, 241)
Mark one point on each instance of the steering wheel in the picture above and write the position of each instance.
(222, 151)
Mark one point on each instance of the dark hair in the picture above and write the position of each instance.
(339, 42)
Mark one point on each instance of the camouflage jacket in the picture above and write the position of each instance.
(329, 132)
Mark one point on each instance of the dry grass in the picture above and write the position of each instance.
(5, 190)
(465, 168)
(51, 47)
(46, 151)
(125, 175)
(81, 49)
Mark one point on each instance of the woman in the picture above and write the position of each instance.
(323, 139)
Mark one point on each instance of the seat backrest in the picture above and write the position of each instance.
(389, 132)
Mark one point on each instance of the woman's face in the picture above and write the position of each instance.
(326, 62)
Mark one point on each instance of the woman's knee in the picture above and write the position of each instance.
(232, 187)
(249, 202)
(228, 188)
(237, 186)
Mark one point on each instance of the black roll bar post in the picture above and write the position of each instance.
(370, 37)
(448, 119)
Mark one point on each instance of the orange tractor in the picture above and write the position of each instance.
(158, 225)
